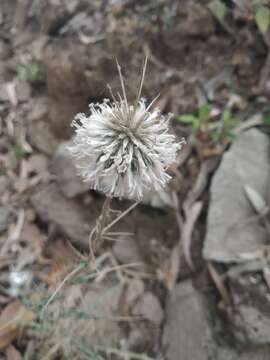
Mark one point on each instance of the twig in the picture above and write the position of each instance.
(68, 277)
(120, 217)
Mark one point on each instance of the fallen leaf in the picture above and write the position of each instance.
(266, 275)
(206, 169)
(12, 353)
(174, 268)
(192, 215)
(256, 200)
(262, 18)
(218, 281)
(62, 259)
(10, 318)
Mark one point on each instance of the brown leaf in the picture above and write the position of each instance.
(10, 329)
(12, 353)
(217, 279)
(63, 258)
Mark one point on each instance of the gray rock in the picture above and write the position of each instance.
(258, 353)
(100, 305)
(149, 307)
(232, 228)
(135, 289)
(4, 218)
(157, 199)
(41, 137)
(64, 169)
(69, 217)
(126, 251)
(251, 322)
(186, 333)
(103, 303)
(3, 184)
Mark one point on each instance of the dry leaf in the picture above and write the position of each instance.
(217, 279)
(266, 275)
(174, 268)
(192, 215)
(12, 353)
(201, 182)
(11, 316)
(256, 200)
(63, 258)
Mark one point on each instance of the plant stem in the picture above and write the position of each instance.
(97, 231)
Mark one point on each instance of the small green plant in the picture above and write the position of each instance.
(203, 123)
(29, 72)
(18, 151)
(262, 16)
(258, 9)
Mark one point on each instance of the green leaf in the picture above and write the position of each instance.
(262, 18)
(218, 9)
(266, 119)
(18, 150)
(226, 116)
(188, 119)
(204, 112)
(29, 72)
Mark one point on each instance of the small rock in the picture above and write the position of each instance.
(231, 227)
(38, 163)
(251, 322)
(3, 184)
(69, 217)
(134, 291)
(4, 218)
(102, 303)
(187, 332)
(39, 109)
(136, 339)
(23, 90)
(126, 252)
(157, 199)
(15, 91)
(64, 169)
(41, 137)
(5, 50)
(149, 307)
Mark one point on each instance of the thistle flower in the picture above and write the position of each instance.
(124, 149)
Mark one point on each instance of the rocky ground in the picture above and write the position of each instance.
(188, 277)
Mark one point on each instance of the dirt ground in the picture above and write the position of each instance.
(58, 56)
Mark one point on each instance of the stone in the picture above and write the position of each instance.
(41, 137)
(4, 218)
(187, 334)
(251, 322)
(231, 226)
(4, 183)
(38, 164)
(99, 304)
(39, 109)
(126, 251)
(135, 289)
(63, 167)
(149, 308)
(5, 50)
(69, 217)
(158, 199)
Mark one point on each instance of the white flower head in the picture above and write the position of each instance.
(124, 149)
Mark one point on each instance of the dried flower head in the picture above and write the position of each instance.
(123, 149)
